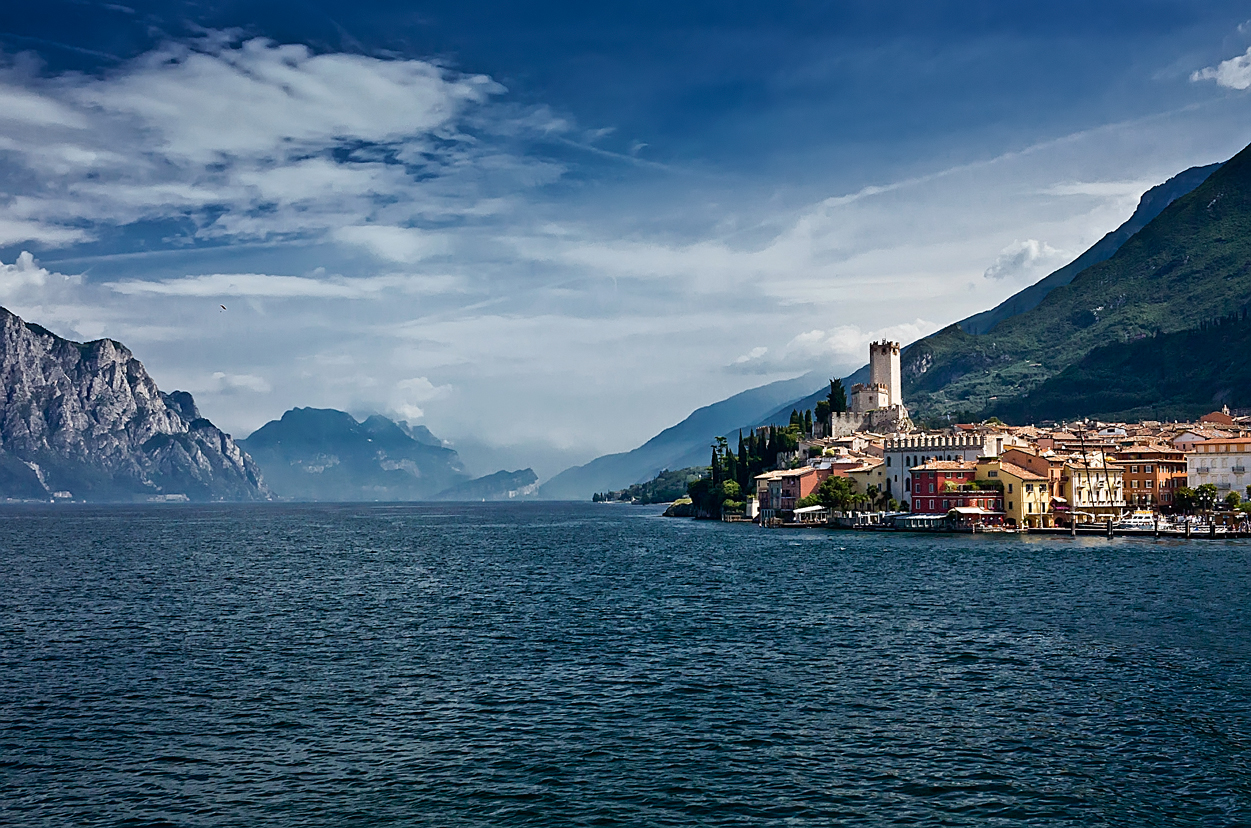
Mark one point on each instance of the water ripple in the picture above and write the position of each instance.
(558, 665)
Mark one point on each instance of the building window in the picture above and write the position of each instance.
(1009, 488)
(888, 460)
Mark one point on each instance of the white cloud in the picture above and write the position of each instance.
(262, 285)
(407, 394)
(1234, 73)
(25, 106)
(244, 382)
(24, 274)
(262, 99)
(752, 355)
(1023, 258)
(841, 348)
(395, 244)
(257, 139)
(15, 231)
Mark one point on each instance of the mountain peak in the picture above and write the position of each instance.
(87, 419)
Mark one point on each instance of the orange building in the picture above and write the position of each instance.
(1153, 474)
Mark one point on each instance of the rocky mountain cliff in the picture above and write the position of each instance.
(85, 421)
(326, 455)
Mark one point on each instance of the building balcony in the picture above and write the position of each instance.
(1238, 469)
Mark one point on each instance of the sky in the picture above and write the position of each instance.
(549, 230)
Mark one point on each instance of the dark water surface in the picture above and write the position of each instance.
(571, 665)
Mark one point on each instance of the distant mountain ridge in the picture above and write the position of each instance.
(502, 485)
(322, 454)
(671, 448)
(85, 421)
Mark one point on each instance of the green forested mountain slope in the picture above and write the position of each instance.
(1171, 376)
(1191, 264)
(1152, 203)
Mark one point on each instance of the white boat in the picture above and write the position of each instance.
(1141, 519)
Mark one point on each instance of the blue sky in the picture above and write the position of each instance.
(549, 230)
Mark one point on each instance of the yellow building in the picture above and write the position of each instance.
(1026, 498)
(866, 476)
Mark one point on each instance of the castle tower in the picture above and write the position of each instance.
(884, 369)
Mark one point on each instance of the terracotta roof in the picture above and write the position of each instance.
(946, 465)
(1017, 471)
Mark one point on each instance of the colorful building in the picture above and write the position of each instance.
(1026, 495)
(1223, 463)
(1153, 474)
(777, 492)
(942, 485)
(1094, 488)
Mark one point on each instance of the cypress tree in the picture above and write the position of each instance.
(837, 397)
(744, 463)
(808, 422)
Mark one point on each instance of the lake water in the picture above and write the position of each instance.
(578, 665)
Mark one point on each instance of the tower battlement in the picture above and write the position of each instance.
(884, 369)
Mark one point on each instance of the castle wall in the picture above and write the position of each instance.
(890, 420)
(868, 397)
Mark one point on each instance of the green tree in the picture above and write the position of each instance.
(1205, 496)
(744, 463)
(797, 421)
(1232, 500)
(837, 397)
(822, 415)
(1184, 499)
(808, 423)
(836, 493)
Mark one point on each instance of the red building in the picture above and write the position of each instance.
(942, 485)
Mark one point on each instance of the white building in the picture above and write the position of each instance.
(903, 452)
(1223, 463)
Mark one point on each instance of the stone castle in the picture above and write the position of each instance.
(878, 404)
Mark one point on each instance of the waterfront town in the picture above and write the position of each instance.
(869, 466)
